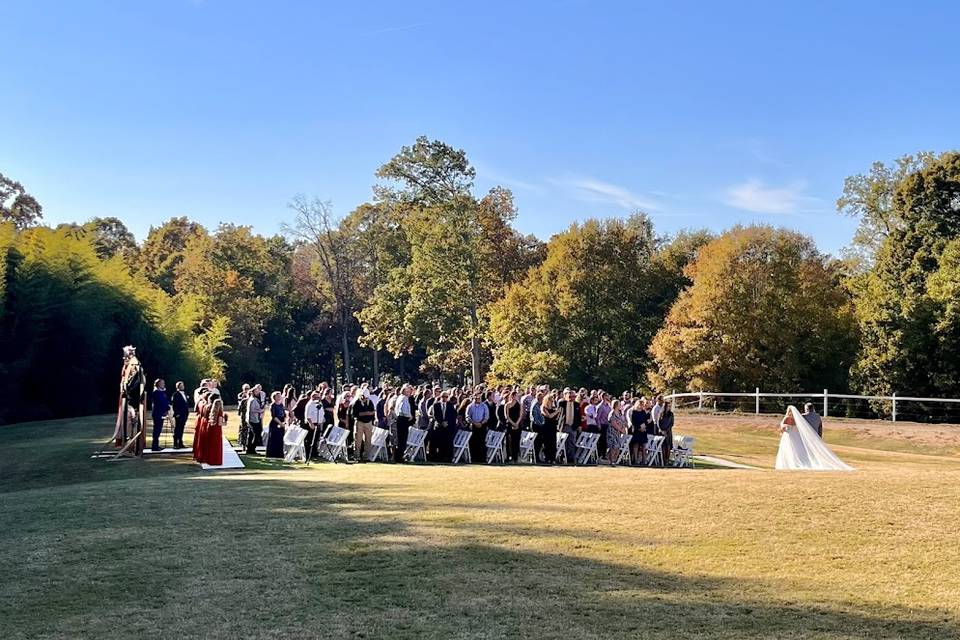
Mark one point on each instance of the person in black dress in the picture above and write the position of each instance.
(638, 427)
(278, 418)
(547, 438)
(512, 412)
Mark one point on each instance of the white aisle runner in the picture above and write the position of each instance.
(230, 459)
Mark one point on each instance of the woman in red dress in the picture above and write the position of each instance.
(199, 429)
(213, 433)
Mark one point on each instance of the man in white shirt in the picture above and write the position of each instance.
(657, 411)
(403, 410)
(255, 407)
(313, 417)
(590, 414)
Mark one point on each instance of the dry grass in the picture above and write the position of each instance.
(161, 549)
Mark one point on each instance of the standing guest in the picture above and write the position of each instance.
(590, 415)
(656, 411)
(255, 407)
(379, 400)
(537, 421)
(243, 430)
(513, 412)
(363, 415)
(161, 405)
(181, 409)
(478, 417)
(548, 436)
(638, 425)
(616, 432)
(278, 421)
(424, 406)
(570, 423)
(526, 403)
(444, 419)
(603, 421)
(329, 405)
(313, 423)
(300, 407)
(666, 430)
(403, 410)
(289, 401)
(813, 419)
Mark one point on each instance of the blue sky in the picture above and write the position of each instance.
(703, 114)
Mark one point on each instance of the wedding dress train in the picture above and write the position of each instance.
(802, 448)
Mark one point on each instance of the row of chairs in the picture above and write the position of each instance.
(333, 447)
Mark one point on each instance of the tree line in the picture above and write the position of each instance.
(431, 280)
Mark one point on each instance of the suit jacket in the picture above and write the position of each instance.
(180, 406)
(815, 421)
(160, 403)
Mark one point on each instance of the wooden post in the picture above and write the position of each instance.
(758, 401)
(894, 406)
(700, 402)
(824, 403)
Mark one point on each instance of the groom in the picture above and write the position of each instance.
(813, 419)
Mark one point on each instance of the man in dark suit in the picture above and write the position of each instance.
(570, 422)
(160, 408)
(181, 410)
(813, 419)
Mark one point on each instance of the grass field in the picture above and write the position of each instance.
(158, 548)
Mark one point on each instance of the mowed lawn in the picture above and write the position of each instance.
(158, 548)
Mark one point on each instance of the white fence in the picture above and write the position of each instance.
(878, 404)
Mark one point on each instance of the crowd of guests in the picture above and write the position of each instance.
(621, 422)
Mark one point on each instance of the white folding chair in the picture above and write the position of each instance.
(416, 438)
(624, 457)
(587, 448)
(682, 452)
(653, 452)
(528, 446)
(494, 443)
(378, 445)
(334, 444)
(293, 441)
(561, 455)
(461, 446)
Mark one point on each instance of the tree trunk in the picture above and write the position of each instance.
(376, 367)
(345, 343)
(474, 345)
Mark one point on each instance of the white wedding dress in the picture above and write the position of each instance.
(802, 449)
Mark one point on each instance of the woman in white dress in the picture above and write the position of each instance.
(802, 448)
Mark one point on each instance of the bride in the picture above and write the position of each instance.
(802, 448)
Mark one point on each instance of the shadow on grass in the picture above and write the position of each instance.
(246, 556)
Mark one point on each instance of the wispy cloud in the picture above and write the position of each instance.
(593, 190)
(754, 195)
(493, 175)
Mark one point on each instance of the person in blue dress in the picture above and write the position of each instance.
(278, 418)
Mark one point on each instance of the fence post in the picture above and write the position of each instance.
(700, 402)
(825, 403)
(758, 401)
(894, 406)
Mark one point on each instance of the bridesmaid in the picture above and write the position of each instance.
(213, 433)
(200, 427)
(278, 417)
